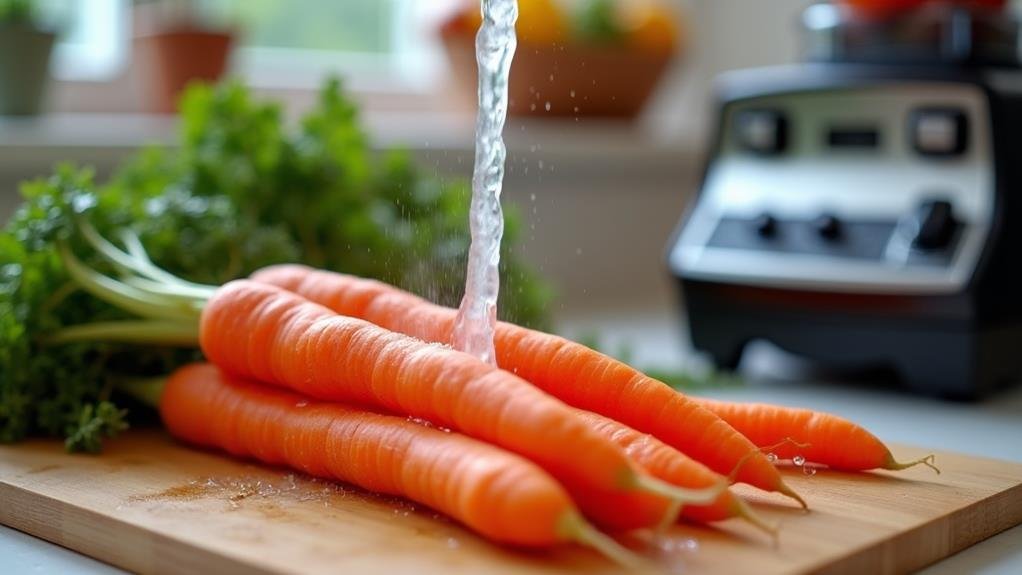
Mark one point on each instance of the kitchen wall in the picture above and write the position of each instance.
(600, 200)
(724, 35)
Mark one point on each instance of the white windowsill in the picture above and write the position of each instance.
(36, 144)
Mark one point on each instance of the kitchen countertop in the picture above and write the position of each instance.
(992, 428)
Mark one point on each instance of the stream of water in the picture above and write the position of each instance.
(495, 49)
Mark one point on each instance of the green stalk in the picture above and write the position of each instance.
(173, 333)
(126, 297)
(188, 293)
(146, 391)
(138, 262)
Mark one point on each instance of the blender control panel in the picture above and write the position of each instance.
(885, 188)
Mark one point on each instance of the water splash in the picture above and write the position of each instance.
(798, 460)
(495, 49)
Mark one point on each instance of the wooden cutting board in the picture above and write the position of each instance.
(148, 504)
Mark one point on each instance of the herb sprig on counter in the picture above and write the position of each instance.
(242, 191)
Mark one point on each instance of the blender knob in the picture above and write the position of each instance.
(935, 225)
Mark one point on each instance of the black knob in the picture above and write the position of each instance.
(762, 132)
(936, 225)
(828, 226)
(765, 225)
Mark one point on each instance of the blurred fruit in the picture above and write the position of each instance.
(648, 26)
(651, 26)
(464, 22)
(541, 22)
(607, 64)
(599, 22)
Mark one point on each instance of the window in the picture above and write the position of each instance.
(93, 37)
(378, 44)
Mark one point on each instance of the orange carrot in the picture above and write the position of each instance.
(665, 462)
(264, 333)
(497, 494)
(826, 439)
(573, 373)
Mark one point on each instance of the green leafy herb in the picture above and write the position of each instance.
(243, 191)
(95, 422)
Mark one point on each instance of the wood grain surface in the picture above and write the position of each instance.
(151, 505)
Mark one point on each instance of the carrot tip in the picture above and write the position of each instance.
(748, 514)
(670, 517)
(784, 489)
(579, 530)
(703, 496)
(928, 461)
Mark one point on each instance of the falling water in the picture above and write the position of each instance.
(495, 49)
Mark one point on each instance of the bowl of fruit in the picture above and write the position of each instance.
(597, 58)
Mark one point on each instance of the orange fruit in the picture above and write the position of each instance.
(464, 22)
(541, 22)
(652, 27)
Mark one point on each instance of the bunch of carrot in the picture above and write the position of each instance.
(329, 373)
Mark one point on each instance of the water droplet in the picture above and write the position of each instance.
(771, 457)
(548, 106)
(576, 109)
(532, 107)
(551, 77)
(302, 403)
(798, 460)
(573, 93)
(809, 470)
(532, 197)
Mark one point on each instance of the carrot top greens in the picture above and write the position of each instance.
(243, 190)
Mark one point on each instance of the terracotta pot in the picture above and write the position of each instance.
(576, 80)
(24, 68)
(170, 59)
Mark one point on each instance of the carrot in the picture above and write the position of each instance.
(261, 332)
(665, 462)
(826, 439)
(502, 496)
(573, 373)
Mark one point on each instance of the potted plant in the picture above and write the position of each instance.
(175, 45)
(25, 47)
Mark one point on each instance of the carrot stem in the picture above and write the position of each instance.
(928, 461)
(577, 529)
(175, 333)
(122, 295)
(192, 293)
(131, 260)
(146, 391)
